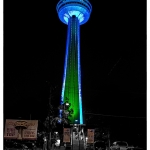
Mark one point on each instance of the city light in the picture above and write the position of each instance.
(67, 104)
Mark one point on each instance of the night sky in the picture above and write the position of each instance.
(113, 58)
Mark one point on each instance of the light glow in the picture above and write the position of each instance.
(81, 19)
(74, 12)
(65, 70)
(79, 79)
(57, 142)
(66, 19)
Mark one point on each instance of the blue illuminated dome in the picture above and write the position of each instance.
(79, 8)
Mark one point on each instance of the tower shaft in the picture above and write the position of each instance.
(71, 89)
(73, 13)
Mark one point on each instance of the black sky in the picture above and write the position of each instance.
(113, 57)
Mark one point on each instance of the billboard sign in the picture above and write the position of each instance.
(66, 136)
(90, 135)
(21, 129)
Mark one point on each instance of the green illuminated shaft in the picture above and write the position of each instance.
(71, 89)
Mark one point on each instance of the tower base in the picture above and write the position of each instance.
(77, 137)
(77, 144)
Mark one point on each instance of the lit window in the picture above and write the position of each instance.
(66, 19)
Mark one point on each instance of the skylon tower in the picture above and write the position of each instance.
(73, 13)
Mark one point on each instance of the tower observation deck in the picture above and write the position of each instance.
(79, 8)
(73, 13)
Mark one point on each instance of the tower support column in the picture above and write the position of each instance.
(72, 79)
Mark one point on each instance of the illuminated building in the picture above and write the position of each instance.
(73, 13)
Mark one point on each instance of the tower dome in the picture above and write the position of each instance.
(79, 8)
